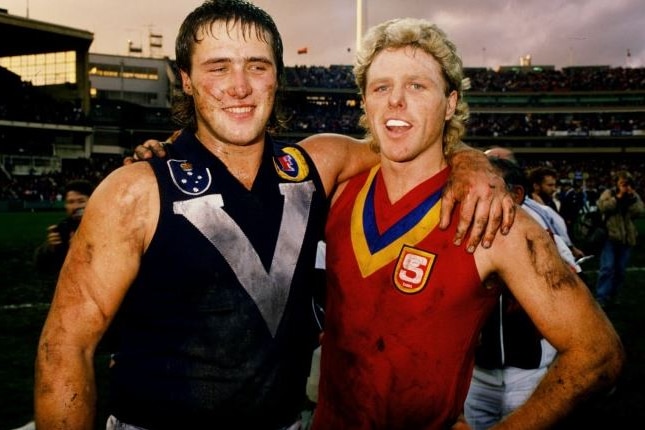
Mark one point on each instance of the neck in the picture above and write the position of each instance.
(242, 161)
(402, 177)
(537, 198)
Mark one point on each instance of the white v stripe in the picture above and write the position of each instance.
(270, 291)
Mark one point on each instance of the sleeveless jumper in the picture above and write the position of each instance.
(403, 314)
(217, 329)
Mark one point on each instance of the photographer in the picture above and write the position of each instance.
(50, 255)
(619, 206)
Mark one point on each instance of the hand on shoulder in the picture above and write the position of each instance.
(150, 148)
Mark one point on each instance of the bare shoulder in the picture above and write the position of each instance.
(126, 202)
(128, 182)
(104, 253)
(527, 245)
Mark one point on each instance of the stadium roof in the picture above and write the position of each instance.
(22, 36)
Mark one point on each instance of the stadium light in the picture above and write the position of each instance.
(359, 22)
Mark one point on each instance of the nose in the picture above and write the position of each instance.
(239, 85)
(396, 98)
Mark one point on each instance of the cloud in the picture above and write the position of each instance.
(487, 32)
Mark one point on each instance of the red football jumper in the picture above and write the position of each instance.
(404, 310)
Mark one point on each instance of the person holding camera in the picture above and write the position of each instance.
(619, 206)
(49, 256)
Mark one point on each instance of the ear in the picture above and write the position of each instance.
(517, 192)
(451, 106)
(186, 83)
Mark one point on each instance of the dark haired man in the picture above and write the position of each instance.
(49, 256)
(542, 181)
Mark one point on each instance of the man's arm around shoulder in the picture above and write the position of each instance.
(338, 157)
(590, 353)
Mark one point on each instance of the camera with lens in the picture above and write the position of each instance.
(66, 227)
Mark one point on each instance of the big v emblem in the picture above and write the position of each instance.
(270, 291)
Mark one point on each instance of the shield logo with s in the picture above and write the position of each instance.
(413, 269)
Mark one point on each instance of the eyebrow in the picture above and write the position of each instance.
(260, 59)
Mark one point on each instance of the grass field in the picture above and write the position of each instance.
(24, 298)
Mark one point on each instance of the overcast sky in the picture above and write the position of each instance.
(488, 33)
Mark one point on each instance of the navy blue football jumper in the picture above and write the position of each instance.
(218, 327)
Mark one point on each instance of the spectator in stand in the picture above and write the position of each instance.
(542, 181)
(572, 199)
(620, 205)
(49, 256)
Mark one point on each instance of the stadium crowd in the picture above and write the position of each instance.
(489, 80)
(343, 119)
(20, 101)
(595, 176)
(543, 124)
(49, 186)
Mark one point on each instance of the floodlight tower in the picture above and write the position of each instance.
(360, 12)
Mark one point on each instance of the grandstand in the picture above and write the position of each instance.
(533, 110)
(105, 105)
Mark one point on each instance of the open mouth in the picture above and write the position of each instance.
(239, 110)
(397, 125)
